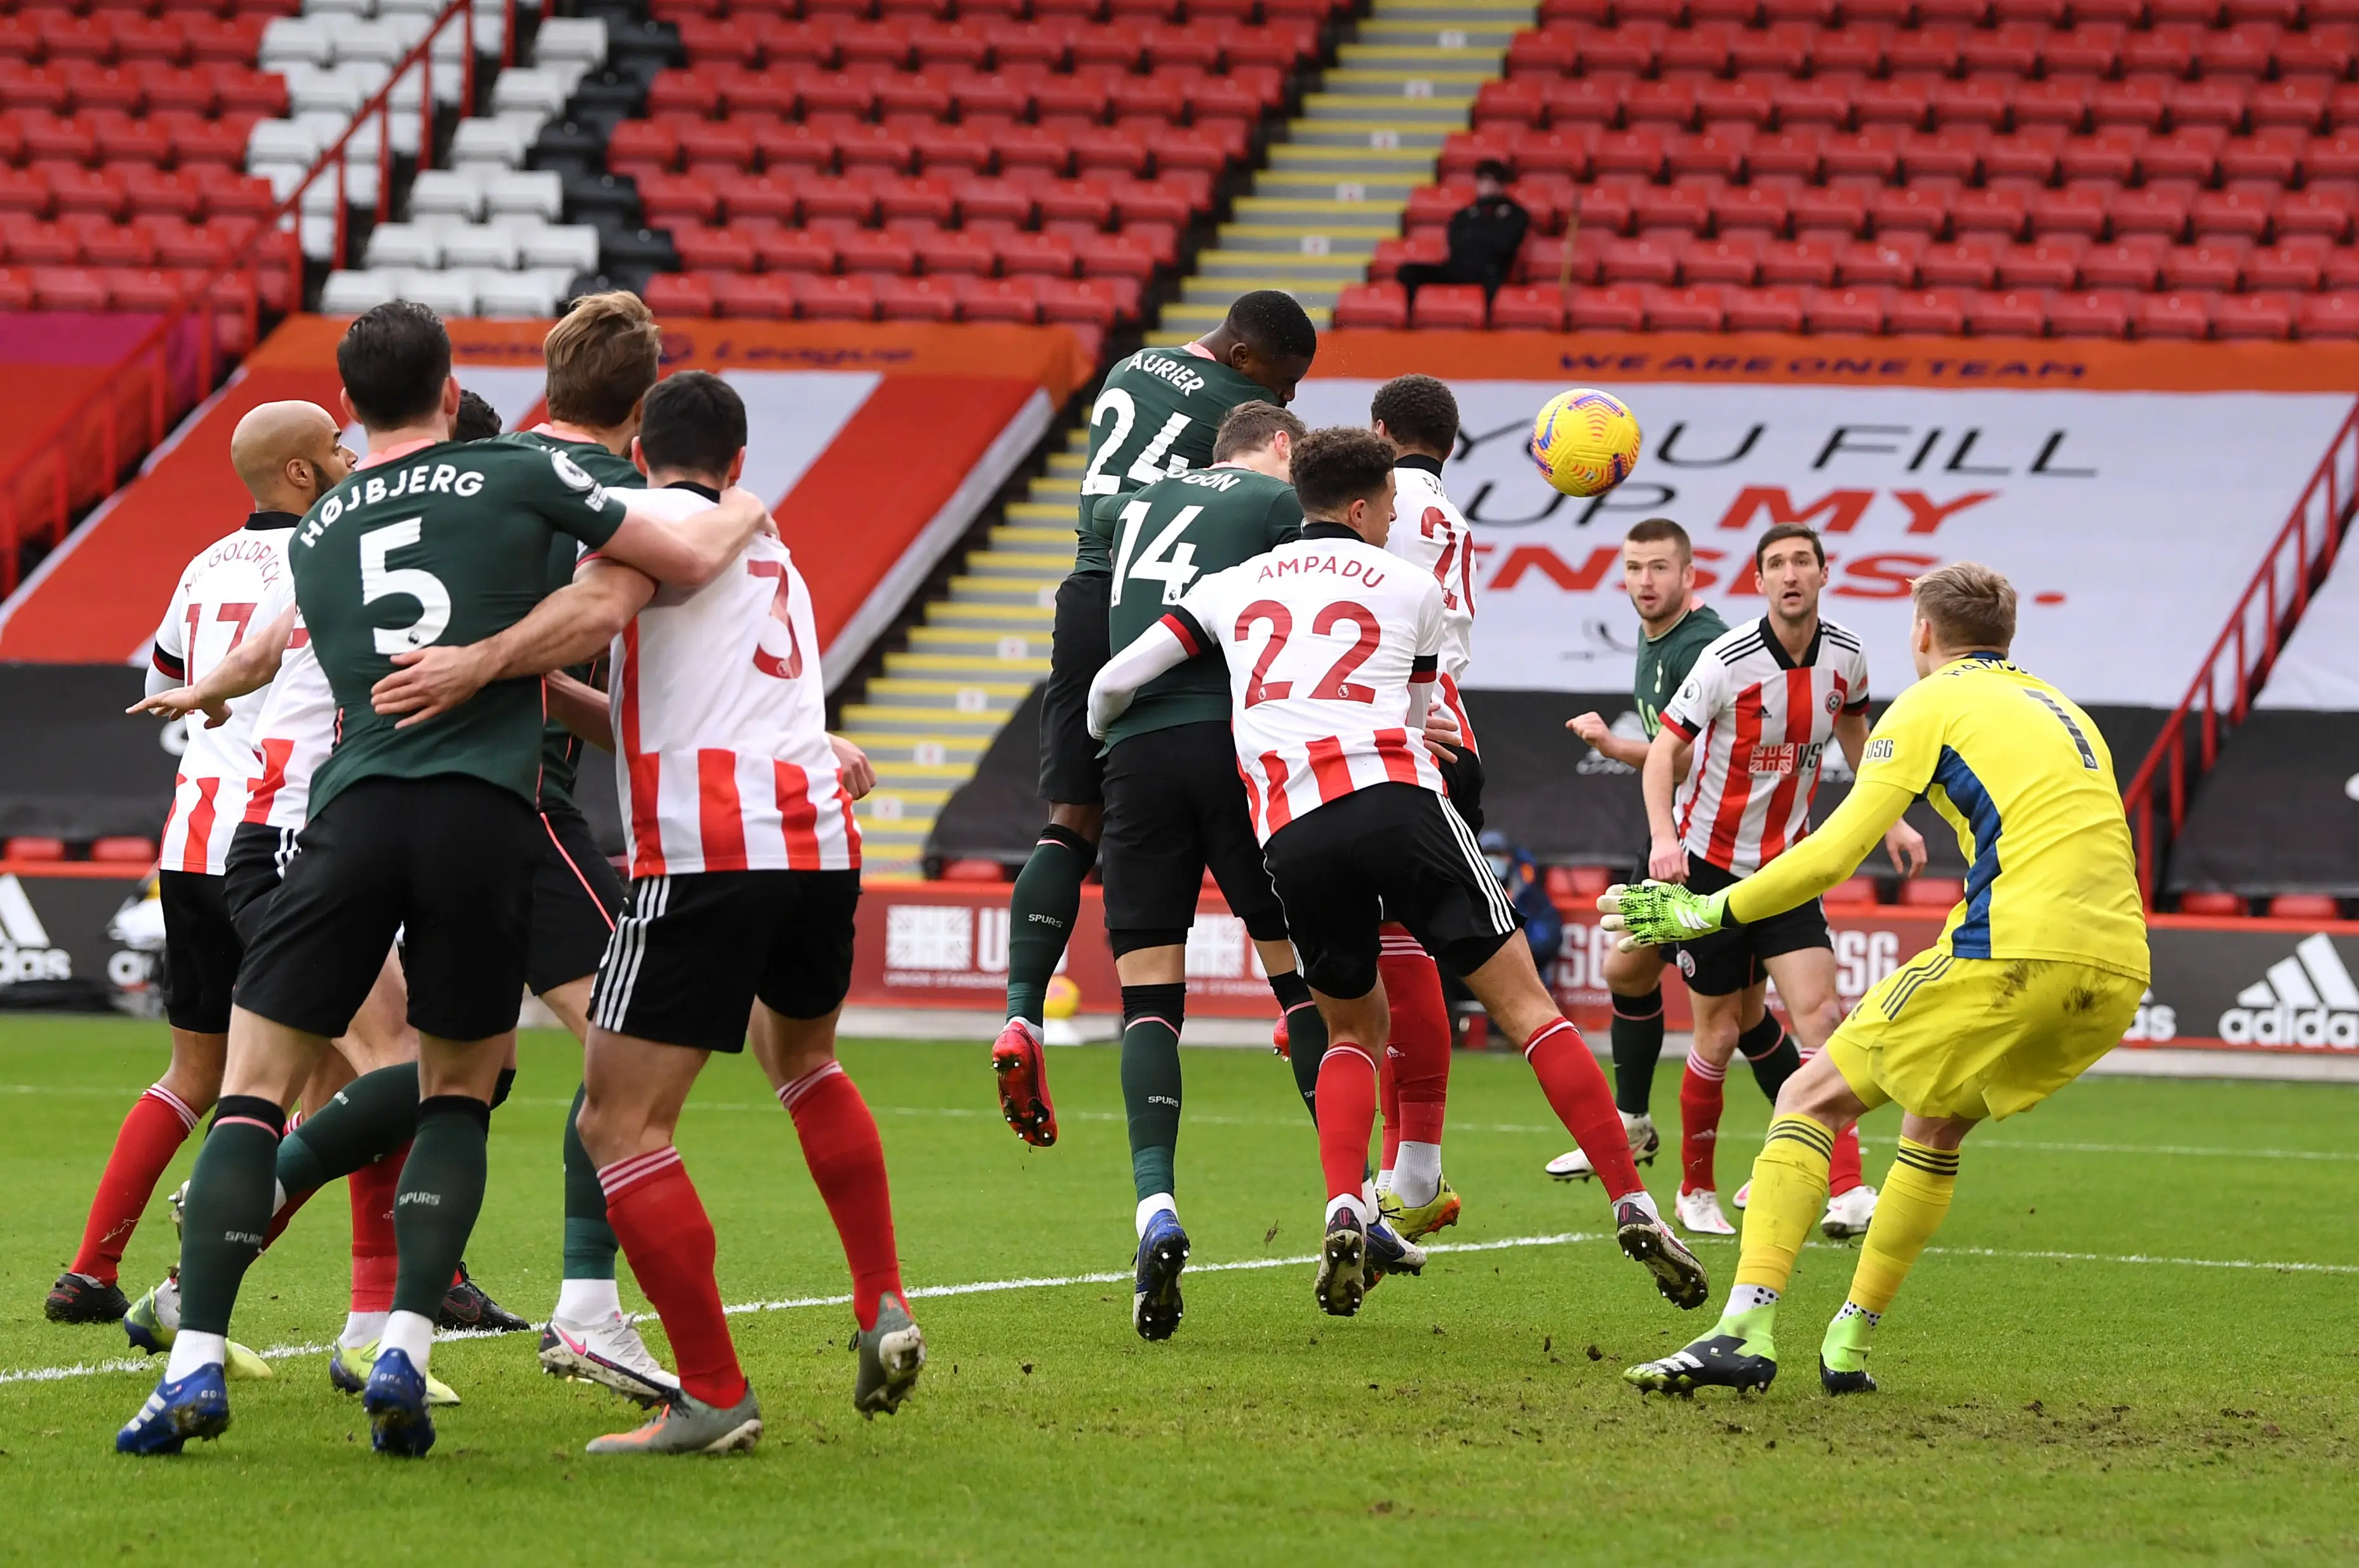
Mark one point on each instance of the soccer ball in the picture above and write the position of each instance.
(1585, 441)
(1063, 1000)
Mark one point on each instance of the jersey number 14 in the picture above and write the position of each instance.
(1167, 560)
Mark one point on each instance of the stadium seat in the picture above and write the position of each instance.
(1765, 310)
(2229, 904)
(123, 850)
(2304, 907)
(25, 846)
(1372, 305)
(1931, 892)
(1533, 307)
(2010, 313)
(1936, 312)
(1851, 892)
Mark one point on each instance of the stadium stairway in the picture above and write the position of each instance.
(1341, 172)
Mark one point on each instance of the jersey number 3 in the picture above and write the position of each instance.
(379, 580)
(781, 611)
(1336, 685)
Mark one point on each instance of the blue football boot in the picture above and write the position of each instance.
(196, 1406)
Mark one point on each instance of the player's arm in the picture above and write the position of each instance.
(1431, 719)
(687, 552)
(250, 666)
(853, 771)
(581, 708)
(568, 626)
(1904, 843)
(1659, 771)
(1592, 729)
(1167, 644)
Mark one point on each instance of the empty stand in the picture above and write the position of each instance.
(2173, 173)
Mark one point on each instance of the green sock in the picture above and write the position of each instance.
(590, 1243)
(369, 1118)
(1772, 1053)
(227, 1210)
(1306, 1035)
(1638, 1036)
(1042, 909)
(441, 1191)
(1151, 1016)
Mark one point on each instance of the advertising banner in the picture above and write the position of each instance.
(2128, 561)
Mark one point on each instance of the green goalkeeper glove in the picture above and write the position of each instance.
(1654, 914)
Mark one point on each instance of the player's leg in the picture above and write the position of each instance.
(1634, 985)
(1806, 984)
(1915, 1201)
(794, 1037)
(201, 956)
(1047, 897)
(1437, 880)
(1715, 1005)
(1415, 1197)
(1789, 1184)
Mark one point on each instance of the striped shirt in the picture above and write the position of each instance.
(1760, 722)
(1429, 530)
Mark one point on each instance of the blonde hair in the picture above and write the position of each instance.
(602, 357)
(1968, 606)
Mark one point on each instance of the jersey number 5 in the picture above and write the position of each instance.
(1172, 567)
(1335, 686)
(379, 580)
(781, 611)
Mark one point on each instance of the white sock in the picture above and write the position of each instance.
(1358, 1205)
(277, 1197)
(1152, 1206)
(1417, 1178)
(192, 1351)
(1383, 1180)
(360, 1328)
(168, 1305)
(1644, 1198)
(1853, 1310)
(412, 1334)
(1745, 1298)
(588, 1301)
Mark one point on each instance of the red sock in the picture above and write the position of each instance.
(1584, 1101)
(1347, 1111)
(1418, 1055)
(158, 1122)
(665, 1232)
(1389, 1106)
(847, 1165)
(1701, 1094)
(1842, 1166)
(375, 1262)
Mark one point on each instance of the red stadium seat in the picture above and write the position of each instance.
(2122, 265)
(1747, 209)
(848, 298)
(1853, 892)
(2148, 211)
(1700, 308)
(1935, 312)
(1765, 310)
(1732, 258)
(2096, 314)
(917, 298)
(1828, 211)
(2052, 263)
(1931, 892)
(1885, 263)
(2218, 267)
(2313, 212)
(1794, 263)
(2253, 316)
(794, 250)
(2304, 907)
(1840, 311)
(1448, 305)
(679, 294)
(2228, 904)
(1963, 264)
(763, 296)
(1372, 305)
(123, 850)
(1617, 308)
(2331, 316)
(1644, 260)
(2174, 315)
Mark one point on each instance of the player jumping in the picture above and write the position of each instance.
(2038, 972)
(1332, 650)
(1156, 416)
(1749, 728)
(428, 827)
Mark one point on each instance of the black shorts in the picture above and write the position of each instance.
(1731, 961)
(201, 949)
(258, 857)
(1463, 774)
(1071, 771)
(447, 861)
(1390, 852)
(1174, 807)
(693, 953)
(576, 897)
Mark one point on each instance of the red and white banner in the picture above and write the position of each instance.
(877, 445)
(2129, 520)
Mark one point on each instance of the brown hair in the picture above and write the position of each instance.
(602, 357)
(1249, 426)
(1968, 606)
(1657, 531)
(1783, 532)
(1338, 465)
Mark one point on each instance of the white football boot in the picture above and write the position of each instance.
(1699, 1212)
(1645, 1141)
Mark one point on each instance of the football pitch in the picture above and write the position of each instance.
(2132, 1343)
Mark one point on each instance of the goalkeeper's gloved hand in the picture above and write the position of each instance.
(1654, 914)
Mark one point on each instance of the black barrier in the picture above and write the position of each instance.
(2278, 812)
(54, 947)
(72, 764)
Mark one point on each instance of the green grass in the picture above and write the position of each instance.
(2038, 1409)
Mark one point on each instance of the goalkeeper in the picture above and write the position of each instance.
(2038, 972)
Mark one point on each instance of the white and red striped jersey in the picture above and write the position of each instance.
(1760, 722)
(292, 734)
(1430, 530)
(721, 759)
(1324, 637)
(219, 598)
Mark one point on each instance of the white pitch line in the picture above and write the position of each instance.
(1059, 1281)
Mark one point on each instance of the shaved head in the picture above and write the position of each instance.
(287, 454)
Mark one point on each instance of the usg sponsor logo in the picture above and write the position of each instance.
(2307, 999)
(25, 950)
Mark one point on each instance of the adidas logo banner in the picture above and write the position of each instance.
(2307, 999)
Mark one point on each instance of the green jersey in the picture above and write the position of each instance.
(560, 748)
(447, 544)
(1154, 417)
(1664, 662)
(1162, 539)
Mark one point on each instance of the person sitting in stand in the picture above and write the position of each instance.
(1485, 236)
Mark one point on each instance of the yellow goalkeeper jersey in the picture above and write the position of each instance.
(2026, 780)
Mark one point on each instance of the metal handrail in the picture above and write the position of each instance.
(154, 346)
(2280, 588)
